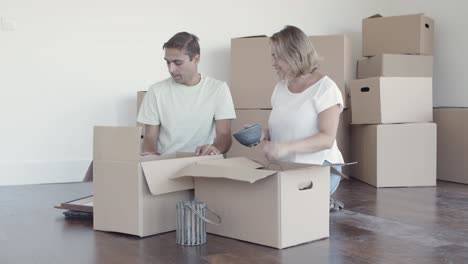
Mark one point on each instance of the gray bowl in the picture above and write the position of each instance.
(249, 136)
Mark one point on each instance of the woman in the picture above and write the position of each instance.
(306, 107)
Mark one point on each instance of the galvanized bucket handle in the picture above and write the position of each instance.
(204, 218)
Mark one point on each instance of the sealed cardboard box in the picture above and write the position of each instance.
(395, 65)
(343, 138)
(395, 155)
(261, 116)
(134, 194)
(283, 206)
(253, 78)
(409, 34)
(386, 100)
(452, 144)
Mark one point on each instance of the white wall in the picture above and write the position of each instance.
(70, 65)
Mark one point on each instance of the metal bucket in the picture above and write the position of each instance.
(191, 222)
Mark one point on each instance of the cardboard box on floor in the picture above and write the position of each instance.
(253, 78)
(386, 100)
(452, 144)
(261, 116)
(277, 208)
(134, 194)
(395, 65)
(394, 155)
(409, 34)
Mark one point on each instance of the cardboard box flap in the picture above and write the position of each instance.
(234, 162)
(253, 36)
(375, 16)
(116, 143)
(159, 173)
(380, 16)
(84, 204)
(283, 166)
(237, 173)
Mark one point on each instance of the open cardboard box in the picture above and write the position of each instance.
(280, 207)
(134, 194)
(84, 204)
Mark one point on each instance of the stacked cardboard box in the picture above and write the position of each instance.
(253, 81)
(393, 137)
(452, 146)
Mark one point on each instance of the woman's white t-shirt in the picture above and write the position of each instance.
(295, 116)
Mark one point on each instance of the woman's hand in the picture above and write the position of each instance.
(265, 134)
(275, 151)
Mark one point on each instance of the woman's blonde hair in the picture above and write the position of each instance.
(293, 46)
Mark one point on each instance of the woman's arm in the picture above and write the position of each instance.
(328, 126)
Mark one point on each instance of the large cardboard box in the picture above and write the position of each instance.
(134, 194)
(386, 100)
(253, 78)
(395, 65)
(452, 144)
(277, 208)
(261, 116)
(409, 34)
(394, 155)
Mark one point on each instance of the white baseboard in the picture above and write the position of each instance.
(38, 172)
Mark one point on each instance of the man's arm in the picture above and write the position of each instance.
(223, 139)
(150, 141)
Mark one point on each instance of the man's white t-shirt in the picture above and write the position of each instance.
(186, 114)
(295, 116)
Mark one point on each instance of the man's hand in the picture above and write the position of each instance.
(207, 150)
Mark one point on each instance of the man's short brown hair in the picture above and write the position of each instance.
(184, 41)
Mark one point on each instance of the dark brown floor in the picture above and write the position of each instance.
(393, 225)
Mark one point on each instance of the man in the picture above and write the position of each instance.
(188, 111)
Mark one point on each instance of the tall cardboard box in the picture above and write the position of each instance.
(409, 34)
(253, 78)
(452, 144)
(386, 100)
(395, 155)
(343, 138)
(134, 194)
(395, 65)
(278, 208)
(261, 116)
